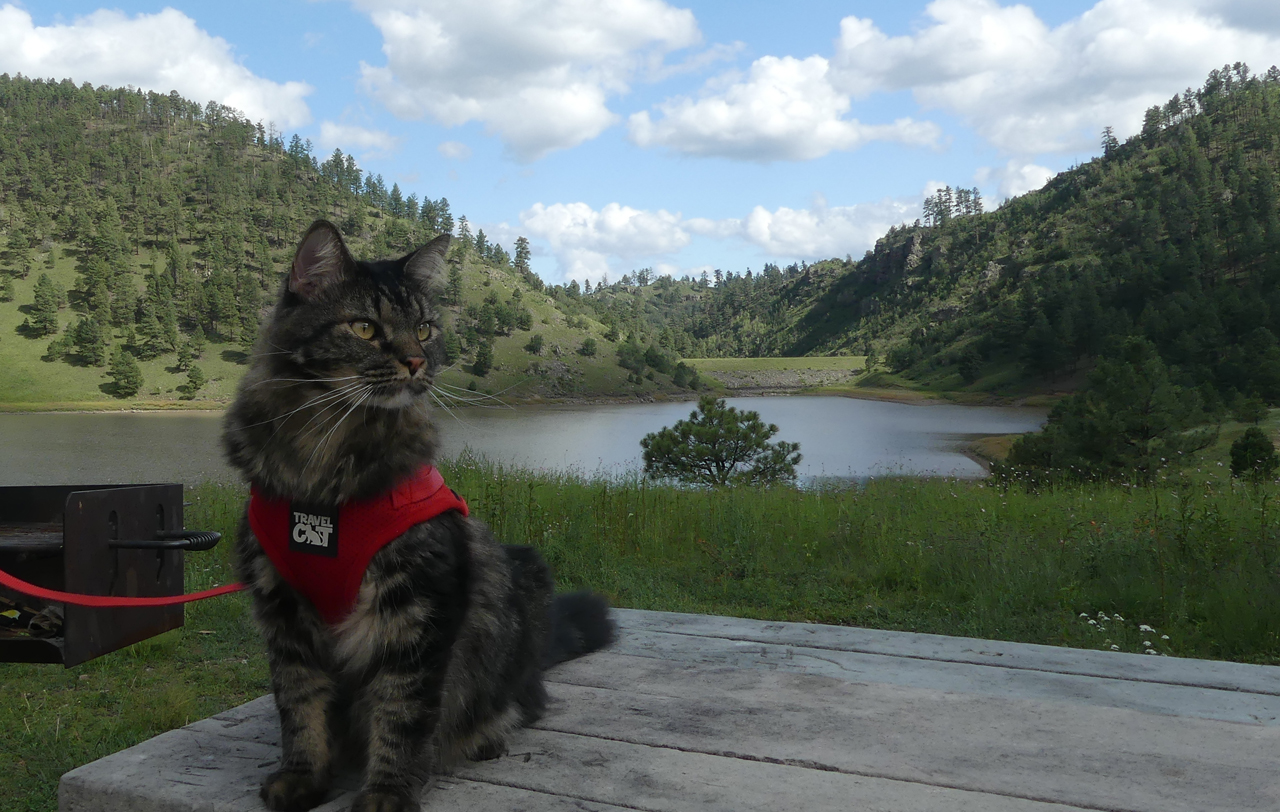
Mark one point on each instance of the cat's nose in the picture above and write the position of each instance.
(414, 363)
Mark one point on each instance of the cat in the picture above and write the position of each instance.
(438, 652)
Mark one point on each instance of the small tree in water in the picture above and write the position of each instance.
(719, 445)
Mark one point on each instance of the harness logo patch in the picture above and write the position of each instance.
(313, 530)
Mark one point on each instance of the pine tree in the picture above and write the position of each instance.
(1253, 456)
(484, 359)
(169, 324)
(90, 341)
(444, 216)
(452, 346)
(465, 240)
(717, 446)
(45, 313)
(1109, 142)
(195, 381)
(126, 373)
(151, 339)
(453, 289)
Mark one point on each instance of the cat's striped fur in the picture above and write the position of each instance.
(443, 654)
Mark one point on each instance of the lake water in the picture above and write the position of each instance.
(839, 437)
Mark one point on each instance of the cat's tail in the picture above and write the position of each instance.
(580, 624)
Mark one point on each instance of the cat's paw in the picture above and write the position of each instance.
(291, 791)
(489, 751)
(385, 801)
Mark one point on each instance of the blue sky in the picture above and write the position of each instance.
(619, 134)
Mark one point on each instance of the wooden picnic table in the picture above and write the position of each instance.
(697, 712)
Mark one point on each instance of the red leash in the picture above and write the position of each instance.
(75, 599)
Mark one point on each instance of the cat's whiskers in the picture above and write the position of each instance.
(349, 392)
(304, 380)
(471, 395)
(361, 399)
(499, 392)
(449, 411)
(328, 393)
(478, 403)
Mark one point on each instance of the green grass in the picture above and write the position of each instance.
(27, 382)
(1197, 560)
(834, 362)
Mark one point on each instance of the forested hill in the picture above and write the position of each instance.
(144, 234)
(1173, 235)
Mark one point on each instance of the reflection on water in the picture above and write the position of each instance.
(839, 437)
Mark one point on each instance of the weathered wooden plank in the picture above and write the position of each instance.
(668, 780)
(190, 770)
(1115, 665)
(1099, 758)
(987, 680)
(178, 770)
(603, 771)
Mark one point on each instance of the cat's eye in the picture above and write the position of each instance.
(362, 329)
(424, 331)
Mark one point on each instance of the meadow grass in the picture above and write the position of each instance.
(1195, 561)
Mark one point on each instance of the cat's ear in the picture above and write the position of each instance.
(322, 260)
(426, 265)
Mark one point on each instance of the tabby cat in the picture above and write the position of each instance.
(438, 652)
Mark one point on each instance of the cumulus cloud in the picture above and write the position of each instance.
(1015, 178)
(1028, 88)
(375, 142)
(784, 109)
(538, 73)
(583, 239)
(588, 243)
(824, 231)
(161, 52)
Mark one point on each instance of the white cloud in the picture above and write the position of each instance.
(583, 239)
(1028, 88)
(784, 109)
(538, 73)
(161, 52)
(454, 150)
(588, 243)
(821, 231)
(1015, 178)
(1253, 15)
(375, 142)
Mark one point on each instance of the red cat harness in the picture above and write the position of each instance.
(323, 552)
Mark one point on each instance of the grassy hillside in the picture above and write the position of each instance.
(162, 225)
(1172, 237)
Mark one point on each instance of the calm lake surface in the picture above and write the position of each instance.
(839, 437)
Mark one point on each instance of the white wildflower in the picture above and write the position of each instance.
(1152, 651)
(1146, 643)
(1084, 615)
(1117, 619)
(1093, 623)
(1115, 648)
(1164, 637)
(1145, 628)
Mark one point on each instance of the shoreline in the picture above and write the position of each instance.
(911, 397)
